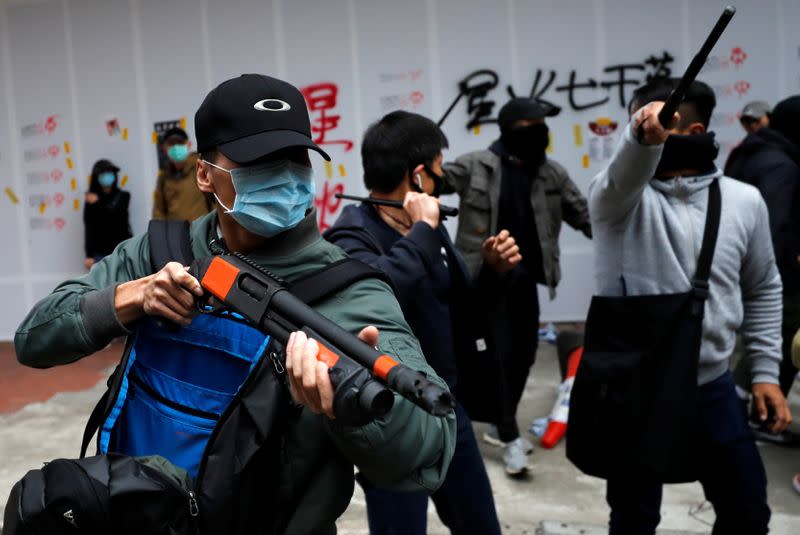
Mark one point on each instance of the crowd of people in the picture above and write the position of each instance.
(655, 220)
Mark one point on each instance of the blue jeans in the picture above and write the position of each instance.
(733, 476)
(464, 502)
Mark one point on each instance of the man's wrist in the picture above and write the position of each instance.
(433, 223)
(129, 301)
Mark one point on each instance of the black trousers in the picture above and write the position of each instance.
(464, 501)
(514, 312)
(733, 475)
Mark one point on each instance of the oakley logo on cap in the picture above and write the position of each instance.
(272, 104)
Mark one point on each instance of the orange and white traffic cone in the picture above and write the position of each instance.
(560, 413)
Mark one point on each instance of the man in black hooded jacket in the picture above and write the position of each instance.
(769, 159)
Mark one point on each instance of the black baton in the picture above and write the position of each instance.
(446, 211)
(679, 93)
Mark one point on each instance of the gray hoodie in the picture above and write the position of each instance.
(649, 233)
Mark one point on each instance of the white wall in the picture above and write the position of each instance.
(143, 61)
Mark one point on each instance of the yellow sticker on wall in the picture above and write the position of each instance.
(154, 137)
(73, 184)
(70, 165)
(124, 180)
(124, 134)
(42, 208)
(341, 170)
(76, 205)
(578, 133)
(183, 123)
(476, 130)
(12, 196)
(586, 161)
(66, 147)
(328, 170)
(89, 179)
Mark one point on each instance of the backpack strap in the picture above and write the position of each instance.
(169, 242)
(98, 413)
(94, 422)
(333, 278)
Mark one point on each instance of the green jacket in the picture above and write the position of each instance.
(477, 178)
(407, 449)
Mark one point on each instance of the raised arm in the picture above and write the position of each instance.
(618, 188)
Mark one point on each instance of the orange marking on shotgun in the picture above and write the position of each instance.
(219, 278)
(383, 366)
(327, 356)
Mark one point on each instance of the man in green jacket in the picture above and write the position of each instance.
(264, 211)
(514, 188)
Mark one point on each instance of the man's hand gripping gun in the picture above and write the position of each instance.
(362, 377)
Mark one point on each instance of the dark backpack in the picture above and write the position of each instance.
(189, 430)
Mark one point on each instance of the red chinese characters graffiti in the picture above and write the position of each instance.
(51, 124)
(321, 100)
(327, 204)
(741, 87)
(738, 56)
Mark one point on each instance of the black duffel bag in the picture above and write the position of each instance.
(100, 495)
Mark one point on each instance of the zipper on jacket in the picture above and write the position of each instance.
(194, 508)
(276, 363)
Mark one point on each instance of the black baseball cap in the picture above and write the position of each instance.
(252, 116)
(101, 166)
(176, 133)
(525, 108)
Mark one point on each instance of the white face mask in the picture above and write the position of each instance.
(270, 197)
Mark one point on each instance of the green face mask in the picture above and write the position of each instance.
(178, 153)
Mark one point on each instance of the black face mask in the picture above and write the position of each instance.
(438, 182)
(694, 152)
(527, 143)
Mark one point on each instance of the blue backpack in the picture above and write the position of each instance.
(209, 397)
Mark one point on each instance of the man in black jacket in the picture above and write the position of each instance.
(402, 158)
(769, 159)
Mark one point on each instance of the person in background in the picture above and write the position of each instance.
(105, 214)
(514, 188)
(176, 196)
(796, 360)
(649, 208)
(402, 160)
(755, 116)
(769, 159)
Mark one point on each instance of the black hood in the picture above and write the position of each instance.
(757, 147)
(765, 139)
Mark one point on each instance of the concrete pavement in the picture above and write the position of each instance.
(556, 499)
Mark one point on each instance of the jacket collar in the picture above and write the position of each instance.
(685, 186)
(306, 233)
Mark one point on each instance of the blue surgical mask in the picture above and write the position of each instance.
(178, 153)
(106, 179)
(270, 198)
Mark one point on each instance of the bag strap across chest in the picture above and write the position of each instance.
(700, 286)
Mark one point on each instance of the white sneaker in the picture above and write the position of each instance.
(492, 437)
(515, 458)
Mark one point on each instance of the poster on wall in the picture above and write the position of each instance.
(354, 60)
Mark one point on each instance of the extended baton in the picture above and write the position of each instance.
(448, 211)
(679, 93)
